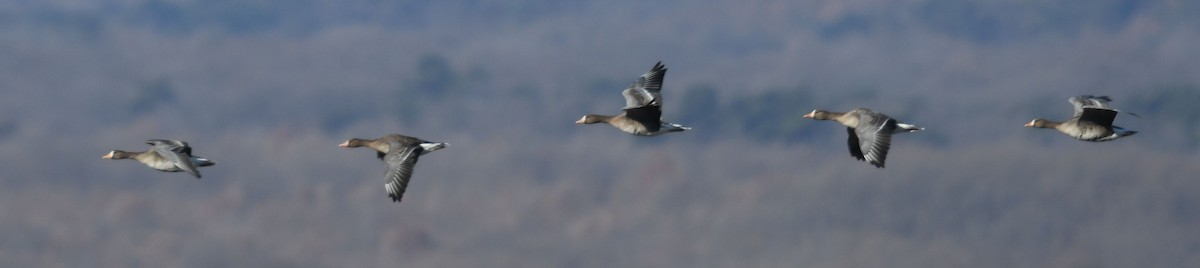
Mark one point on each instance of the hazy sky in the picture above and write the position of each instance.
(267, 89)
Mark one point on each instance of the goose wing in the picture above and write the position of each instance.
(1082, 102)
(852, 142)
(178, 152)
(650, 116)
(181, 147)
(400, 162)
(1100, 116)
(874, 133)
(647, 90)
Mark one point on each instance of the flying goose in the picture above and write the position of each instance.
(165, 155)
(400, 154)
(870, 132)
(381, 145)
(642, 114)
(1092, 120)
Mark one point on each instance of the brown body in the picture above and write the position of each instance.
(380, 145)
(625, 124)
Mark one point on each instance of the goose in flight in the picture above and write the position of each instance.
(642, 114)
(165, 155)
(399, 154)
(1093, 120)
(870, 132)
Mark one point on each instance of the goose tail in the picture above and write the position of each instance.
(902, 127)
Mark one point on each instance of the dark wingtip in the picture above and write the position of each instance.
(195, 173)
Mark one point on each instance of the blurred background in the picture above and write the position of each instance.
(268, 88)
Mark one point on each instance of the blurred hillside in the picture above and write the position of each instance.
(268, 88)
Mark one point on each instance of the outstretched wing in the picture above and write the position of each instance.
(875, 137)
(178, 152)
(647, 90)
(1088, 101)
(400, 163)
(1085, 101)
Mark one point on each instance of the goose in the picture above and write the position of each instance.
(165, 155)
(399, 154)
(642, 114)
(400, 159)
(381, 145)
(1092, 120)
(870, 132)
